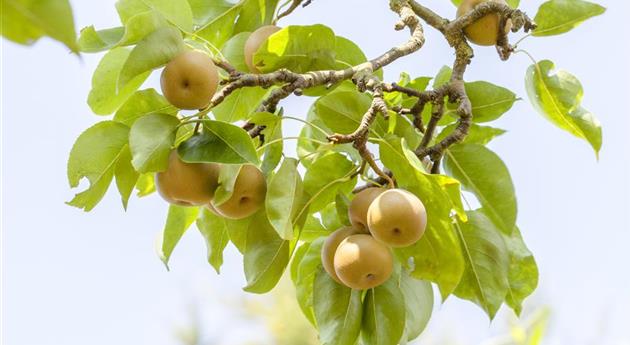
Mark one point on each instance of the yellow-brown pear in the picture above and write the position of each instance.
(330, 247)
(254, 42)
(187, 184)
(397, 218)
(484, 31)
(190, 80)
(248, 195)
(361, 262)
(357, 211)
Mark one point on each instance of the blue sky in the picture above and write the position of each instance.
(74, 278)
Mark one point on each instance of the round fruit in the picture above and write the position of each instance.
(484, 31)
(248, 195)
(190, 80)
(357, 211)
(361, 262)
(330, 247)
(397, 218)
(254, 42)
(187, 184)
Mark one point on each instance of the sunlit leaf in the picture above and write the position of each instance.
(214, 231)
(284, 198)
(556, 17)
(141, 103)
(151, 139)
(523, 272)
(220, 142)
(178, 220)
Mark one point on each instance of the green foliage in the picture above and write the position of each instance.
(338, 311)
(284, 198)
(477, 255)
(221, 142)
(482, 173)
(383, 314)
(485, 279)
(178, 220)
(26, 21)
(150, 140)
(513, 3)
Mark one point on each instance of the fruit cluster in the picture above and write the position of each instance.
(190, 81)
(359, 256)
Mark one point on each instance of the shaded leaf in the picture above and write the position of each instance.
(418, 296)
(126, 176)
(477, 134)
(306, 268)
(383, 314)
(141, 103)
(326, 177)
(177, 12)
(213, 228)
(151, 139)
(485, 280)
(338, 311)
(178, 220)
(266, 255)
(220, 142)
(483, 173)
(523, 272)
(284, 198)
(228, 173)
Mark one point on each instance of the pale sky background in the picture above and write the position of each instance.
(71, 278)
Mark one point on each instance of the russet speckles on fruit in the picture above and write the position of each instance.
(187, 184)
(357, 211)
(330, 247)
(484, 31)
(361, 262)
(254, 42)
(248, 196)
(397, 218)
(190, 80)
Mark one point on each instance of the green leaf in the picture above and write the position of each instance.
(141, 103)
(94, 156)
(178, 12)
(155, 50)
(204, 11)
(220, 142)
(477, 134)
(342, 111)
(313, 229)
(437, 255)
(254, 14)
(342, 202)
(237, 229)
(556, 17)
(484, 174)
(93, 41)
(557, 97)
(307, 265)
(272, 132)
(26, 21)
(485, 280)
(137, 28)
(283, 199)
(105, 96)
(234, 51)
(488, 101)
(240, 104)
(295, 48)
(418, 296)
(151, 139)
(126, 176)
(228, 174)
(213, 228)
(384, 314)
(266, 255)
(221, 28)
(178, 220)
(523, 271)
(326, 177)
(338, 311)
